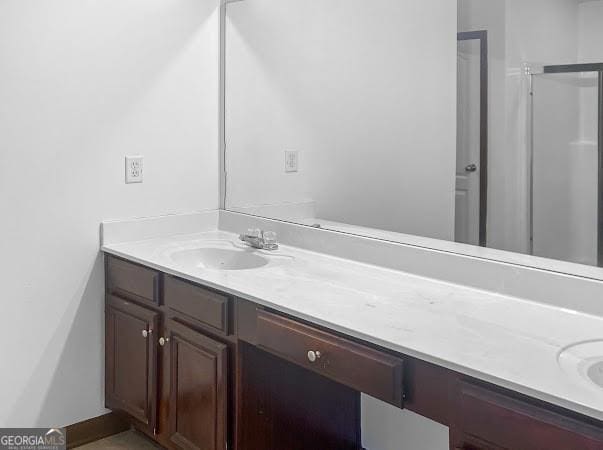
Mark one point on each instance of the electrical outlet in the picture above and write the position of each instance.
(134, 169)
(291, 160)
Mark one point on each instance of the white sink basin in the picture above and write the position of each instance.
(221, 254)
(584, 362)
(220, 258)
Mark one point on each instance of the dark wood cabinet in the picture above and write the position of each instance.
(130, 360)
(197, 369)
(284, 406)
(169, 377)
(468, 442)
(490, 420)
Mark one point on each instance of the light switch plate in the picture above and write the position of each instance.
(134, 166)
(291, 160)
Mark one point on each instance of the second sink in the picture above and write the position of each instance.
(584, 362)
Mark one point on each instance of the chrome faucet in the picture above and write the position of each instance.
(260, 239)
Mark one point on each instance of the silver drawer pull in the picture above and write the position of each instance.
(313, 355)
(145, 333)
(163, 341)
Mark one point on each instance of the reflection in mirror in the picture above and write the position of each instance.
(565, 166)
(471, 185)
(477, 123)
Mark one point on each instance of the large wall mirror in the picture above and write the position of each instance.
(455, 125)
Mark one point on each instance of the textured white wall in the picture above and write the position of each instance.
(83, 83)
(366, 91)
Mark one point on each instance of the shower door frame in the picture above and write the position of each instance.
(482, 36)
(574, 68)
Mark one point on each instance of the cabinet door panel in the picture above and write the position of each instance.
(486, 416)
(131, 360)
(198, 382)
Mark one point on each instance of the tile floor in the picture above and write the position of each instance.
(128, 440)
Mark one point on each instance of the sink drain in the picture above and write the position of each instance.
(595, 373)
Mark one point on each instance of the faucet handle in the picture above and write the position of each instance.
(253, 232)
(269, 238)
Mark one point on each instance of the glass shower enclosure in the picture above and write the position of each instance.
(565, 163)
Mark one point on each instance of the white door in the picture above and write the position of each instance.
(467, 202)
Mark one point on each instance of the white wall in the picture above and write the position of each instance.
(590, 50)
(83, 83)
(590, 39)
(385, 427)
(366, 91)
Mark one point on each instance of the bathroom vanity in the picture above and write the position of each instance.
(198, 366)
(461, 279)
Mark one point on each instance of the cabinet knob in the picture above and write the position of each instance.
(163, 341)
(145, 333)
(313, 355)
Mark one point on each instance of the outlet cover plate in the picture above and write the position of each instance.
(291, 161)
(134, 166)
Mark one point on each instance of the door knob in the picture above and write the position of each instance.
(145, 333)
(163, 341)
(471, 168)
(313, 356)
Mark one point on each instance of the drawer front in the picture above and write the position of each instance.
(357, 366)
(132, 280)
(206, 307)
(510, 423)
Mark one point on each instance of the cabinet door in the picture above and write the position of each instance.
(489, 420)
(131, 360)
(197, 370)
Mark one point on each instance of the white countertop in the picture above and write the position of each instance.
(504, 340)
